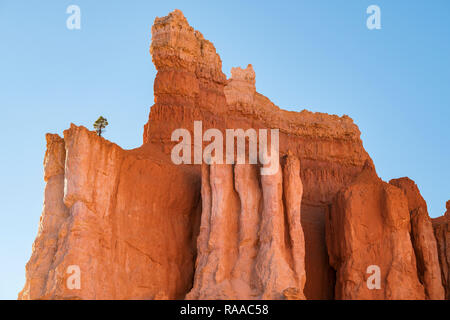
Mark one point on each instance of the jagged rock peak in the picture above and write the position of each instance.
(247, 74)
(177, 46)
(409, 187)
(173, 17)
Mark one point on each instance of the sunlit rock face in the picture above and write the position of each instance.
(441, 227)
(125, 218)
(423, 239)
(369, 225)
(251, 243)
(140, 227)
(190, 86)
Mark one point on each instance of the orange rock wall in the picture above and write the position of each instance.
(369, 224)
(126, 218)
(190, 86)
(441, 227)
(140, 227)
(423, 240)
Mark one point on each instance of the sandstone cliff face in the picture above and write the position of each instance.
(190, 86)
(251, 243)
(140, 227)
(441, 227)
(54, 214)
(423, 239)
(123, 217)
(369, 225)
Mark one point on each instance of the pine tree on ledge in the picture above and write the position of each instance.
(100, 125)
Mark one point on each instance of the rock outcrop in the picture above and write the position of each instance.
(54, 214)
(140, 227)
(191, 86)
(368, 228)
(251, 243)
(441, 227)
(125, 218)
(423, 239)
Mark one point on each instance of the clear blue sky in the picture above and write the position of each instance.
(319, 55)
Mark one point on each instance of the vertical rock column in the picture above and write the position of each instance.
(247, 186)
(53, 216)
(369, 243)
(423, 240)
(251, 243)
(441, 227)
(293, 192)
(189, 82)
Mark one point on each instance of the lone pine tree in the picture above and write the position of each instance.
(100, 125)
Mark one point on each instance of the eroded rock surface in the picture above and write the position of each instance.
(191, 86)
(139, 227)
(369, 225)
(423, 239)
(251, 243)
(53, 216)
(441, 227)
(125, 218)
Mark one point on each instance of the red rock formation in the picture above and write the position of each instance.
(124, 217)
(190, 86)
(369, 225)
(423, 240)
(441, 227)
(53, 216)
(251, 243)
(130, 218)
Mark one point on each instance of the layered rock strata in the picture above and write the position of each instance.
(191, 86)
(140, 227)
